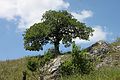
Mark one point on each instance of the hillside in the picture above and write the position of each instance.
(12, 70)
(107, 64)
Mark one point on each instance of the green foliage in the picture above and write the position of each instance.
(36, 65)
(35, 37)
(84, 65)
(32, 64)
(49, 55)
(79, 64)
(55, 26)
(75, 49)
(35, 62)
(66, 68)
(81, 60)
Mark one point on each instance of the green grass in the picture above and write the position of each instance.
(12, 70)
(101, 74)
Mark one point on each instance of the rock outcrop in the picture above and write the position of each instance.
(99, 48)
(52, 69)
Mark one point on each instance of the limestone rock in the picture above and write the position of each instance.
(52, 69)
(99, 48)
(116, 48)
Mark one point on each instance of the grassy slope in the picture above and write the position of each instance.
(12, 70)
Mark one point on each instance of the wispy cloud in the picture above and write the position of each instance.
(83, 15)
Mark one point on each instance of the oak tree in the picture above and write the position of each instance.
(55, 26)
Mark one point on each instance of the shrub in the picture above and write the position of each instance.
(32, 64)
(81, 60)
(66, 68)
(36, 64)
(79, 64)
(84, 64)
(49, 55)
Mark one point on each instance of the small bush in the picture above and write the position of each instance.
(66, 68)
(79, 64)
(49, 55)
(84, 64)
(32, 64)
(81, 60)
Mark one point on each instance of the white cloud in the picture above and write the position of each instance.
(98, 34)
(83, 15)
(29, 11)
(7, 9)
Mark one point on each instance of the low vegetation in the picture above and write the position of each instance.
(77, 66)
(80, 63)
(105, 73)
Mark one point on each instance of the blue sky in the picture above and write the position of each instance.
(17, 15)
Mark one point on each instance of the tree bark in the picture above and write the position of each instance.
(56, 45)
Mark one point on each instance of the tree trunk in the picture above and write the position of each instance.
(56, 45)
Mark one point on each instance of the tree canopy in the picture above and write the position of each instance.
(55, 26)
